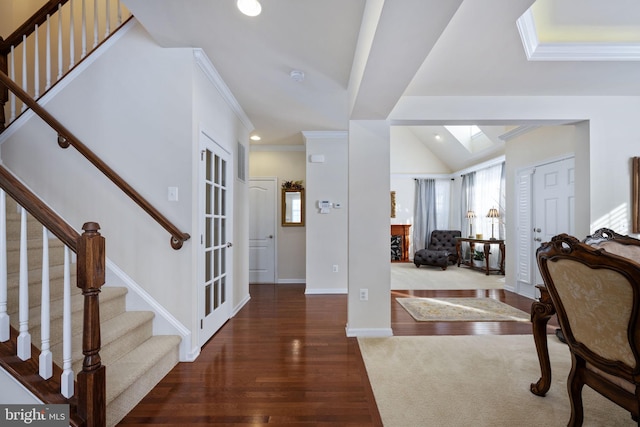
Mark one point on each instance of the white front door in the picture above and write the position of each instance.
(262, 230)
(215, 238)
(553, 204)
(545, 207)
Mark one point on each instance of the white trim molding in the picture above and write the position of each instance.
(369, 332)
(212, 74)
(537, 51)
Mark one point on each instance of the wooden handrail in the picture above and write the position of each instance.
(29, 25)
(43, 213)
(66, 138)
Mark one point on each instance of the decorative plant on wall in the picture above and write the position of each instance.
(292, 185)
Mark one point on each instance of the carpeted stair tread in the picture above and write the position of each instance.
(35, 276)
(117, 335)
(112, 303)
(133, 376)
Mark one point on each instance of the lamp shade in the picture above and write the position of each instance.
(493, 213)
(471, 214)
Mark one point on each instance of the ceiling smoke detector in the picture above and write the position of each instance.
(296, 75)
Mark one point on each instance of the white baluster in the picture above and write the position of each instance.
(36, 65)
(84, 29)
(59, 42)
(119, 12)
(107, 25)
(95, 23)
(24, 69)
(24, 338)
(48, 55)
(4, 317)
(12, 96)
(46, 358)
(66, 381)
(72, 41)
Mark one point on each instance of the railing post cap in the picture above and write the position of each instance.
(91, 227)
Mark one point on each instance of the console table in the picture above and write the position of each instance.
(402, 230)
(486, 243)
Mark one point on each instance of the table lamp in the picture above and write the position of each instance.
(493, 214)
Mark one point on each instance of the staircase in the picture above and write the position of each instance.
(135, 360)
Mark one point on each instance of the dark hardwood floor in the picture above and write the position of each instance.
(285, 359)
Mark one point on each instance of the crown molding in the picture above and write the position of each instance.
(214, 77)
(266, 147)
(517, 131)
(537, 51)
(320, 134)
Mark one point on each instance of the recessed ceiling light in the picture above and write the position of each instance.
(255, 137)
(249, 7)
(438, 137)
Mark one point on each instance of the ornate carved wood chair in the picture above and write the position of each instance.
(615, 243)
(596, 295)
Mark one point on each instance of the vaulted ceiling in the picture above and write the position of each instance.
(359, 57)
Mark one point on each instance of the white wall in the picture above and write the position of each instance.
(144, 127)
(409, 158)
(327, 234)
(286, 165)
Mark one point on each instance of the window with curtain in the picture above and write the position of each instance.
(432, 209)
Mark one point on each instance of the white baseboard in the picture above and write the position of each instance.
(325, 291)
(292, 281)
(242, 303)
(369, 332)
(164, 323)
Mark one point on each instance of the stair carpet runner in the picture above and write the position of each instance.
(135, 360)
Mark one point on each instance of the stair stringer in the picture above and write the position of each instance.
(164, 323)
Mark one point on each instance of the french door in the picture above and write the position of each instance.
(215, 238)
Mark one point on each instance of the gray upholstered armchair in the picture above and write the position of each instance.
(441, 250)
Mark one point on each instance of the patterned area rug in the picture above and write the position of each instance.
(461, 309)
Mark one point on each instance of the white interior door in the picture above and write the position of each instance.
(554, 202)
(262, 230)
(215, 238)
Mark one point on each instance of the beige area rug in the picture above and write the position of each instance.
(461, 309)
(480, 380)
(405, 275)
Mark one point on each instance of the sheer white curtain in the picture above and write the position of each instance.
(443, 203)
(486, 196)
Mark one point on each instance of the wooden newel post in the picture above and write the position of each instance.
(4, 91)
(91, 276)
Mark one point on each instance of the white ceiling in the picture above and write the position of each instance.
(361, 56)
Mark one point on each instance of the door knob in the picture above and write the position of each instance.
(537, 230)
(537, 239)
(271, 236)
(229, 244)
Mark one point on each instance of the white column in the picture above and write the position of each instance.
(369, 222)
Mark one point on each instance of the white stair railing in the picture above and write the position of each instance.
(24, 338)
(46, 358)
(27, 61)
(23, 350)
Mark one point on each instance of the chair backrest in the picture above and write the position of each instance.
(443, 239)
(596, 295)
(615, 243)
